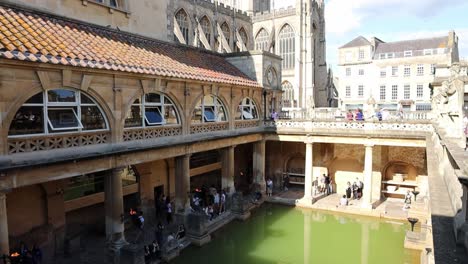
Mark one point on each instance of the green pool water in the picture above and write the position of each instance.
(280, 234)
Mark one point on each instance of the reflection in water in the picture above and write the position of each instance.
(277, 234)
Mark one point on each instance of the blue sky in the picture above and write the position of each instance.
(392, 20)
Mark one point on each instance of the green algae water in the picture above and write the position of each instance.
(287, 235)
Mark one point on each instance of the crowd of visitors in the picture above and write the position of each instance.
(353, 191)
(324, 185)
(209, 200)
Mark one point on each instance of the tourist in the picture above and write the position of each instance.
(407, 200)
(222, 203)
(344, 201)
(355, 190)
(349, 115)
(360, 186)
(155, 251)
(216, 202)
(330, 186)
(274, 115)
(348, 191)
(327, 184)
(147, 254)
(211, 212)
(269, 186)
(286, 182)
(159, 233)
(169, 212)
(385, 114)
(315, 186)
(141, 221)
(181, 232)
(322, 183)
(359, 115)
(196, 202)
(379, 115)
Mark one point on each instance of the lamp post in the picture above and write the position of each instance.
(413, 221)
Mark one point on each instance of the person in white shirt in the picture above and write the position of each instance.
(344, 201)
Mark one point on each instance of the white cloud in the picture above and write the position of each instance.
(344, 15)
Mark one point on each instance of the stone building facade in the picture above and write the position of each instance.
(392, 75)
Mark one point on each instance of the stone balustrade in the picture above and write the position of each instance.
(240, 124)
(332, 114)
(151, 132)
(208, 127)
(57, 141)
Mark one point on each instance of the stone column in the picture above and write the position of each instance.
(182, 182)
(259, 164)
(113, 203)
(367, 191)
(227, 180)
(308, 171)
(4, 242)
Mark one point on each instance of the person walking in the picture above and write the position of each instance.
(269, 187)
(169, 213)
(348, 190)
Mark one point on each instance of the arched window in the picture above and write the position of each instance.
(182, 19)
(287, 46)
(261, 40)
(209, 109)
(206, 26)
(288, 95)
(244, 37)
(247, 110)
(152, 109)
(227, 33)
(58, 111)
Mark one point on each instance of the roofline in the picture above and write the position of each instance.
(109, 29)
(399, 41)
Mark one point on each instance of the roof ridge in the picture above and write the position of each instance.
(407, 40)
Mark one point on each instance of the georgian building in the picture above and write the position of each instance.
(392, 75)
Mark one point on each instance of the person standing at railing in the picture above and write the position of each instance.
(379, 114)
(359, 115)
(349, 116)
(274, 115)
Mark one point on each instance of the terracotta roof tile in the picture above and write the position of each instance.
(34, 36)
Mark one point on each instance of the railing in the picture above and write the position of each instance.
(356, 125)
(240, 124)
(208, 127)
(334, 114)
(131, 134)
(48, 142)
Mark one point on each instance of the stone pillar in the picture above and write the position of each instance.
(308, 171)
(259, 164)
(367, 191)
(4, 241)
(182, 182)
(113, 203)
(227, 180)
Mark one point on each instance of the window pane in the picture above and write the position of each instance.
(239, 113)
(86, 100)
(153, 116)
(209, 114)
(28, 120)
(36, 99)
(91, 118)
(170, 115)
(152, 98)
(61, 95)
(197, 115)
(208, 100)
(133, 118)
(221, 114)
(63, 118)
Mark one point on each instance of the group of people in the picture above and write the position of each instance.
(353, 191)
(24, 256)
(210, 201)
(154, 251)
(380, 114)
(324, 185)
